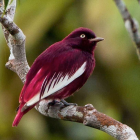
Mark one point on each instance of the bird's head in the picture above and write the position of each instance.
(83, 38)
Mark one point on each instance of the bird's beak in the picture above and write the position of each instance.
(96, 39)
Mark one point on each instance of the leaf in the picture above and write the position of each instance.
(5, 4)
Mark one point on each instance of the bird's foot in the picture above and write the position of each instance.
(67, 104)
(53, 102)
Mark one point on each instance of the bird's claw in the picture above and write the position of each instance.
(67, 104)
(53, 103)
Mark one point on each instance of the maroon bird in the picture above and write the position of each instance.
(59, 71)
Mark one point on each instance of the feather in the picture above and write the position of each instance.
(50, 88)
(59, 71)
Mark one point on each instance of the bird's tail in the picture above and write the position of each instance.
(21, 110)
(18, 116)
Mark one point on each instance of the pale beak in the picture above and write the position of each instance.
(97, 39)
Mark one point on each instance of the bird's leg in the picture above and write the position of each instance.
(67, 104)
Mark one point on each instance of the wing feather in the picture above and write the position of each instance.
(56, 83)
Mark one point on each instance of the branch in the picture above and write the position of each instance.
(131, 24)
(87, 115)
(15, 40)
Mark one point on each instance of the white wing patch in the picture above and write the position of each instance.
(64, 81)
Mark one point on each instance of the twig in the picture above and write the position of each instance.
(131, 24)
(87, 115)
(139, 1)
(10, 10)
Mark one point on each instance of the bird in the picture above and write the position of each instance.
(59, 71)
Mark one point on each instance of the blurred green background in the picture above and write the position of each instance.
(113, 88)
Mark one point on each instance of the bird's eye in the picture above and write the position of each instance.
(82, 35)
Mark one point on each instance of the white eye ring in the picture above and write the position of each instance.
(82, 35)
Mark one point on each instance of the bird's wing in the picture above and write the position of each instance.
(51, 74)
(57, 82)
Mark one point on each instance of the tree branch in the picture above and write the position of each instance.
(15, 40)
(131, 24)
(87, 115)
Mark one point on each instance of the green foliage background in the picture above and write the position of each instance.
(113, 87)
